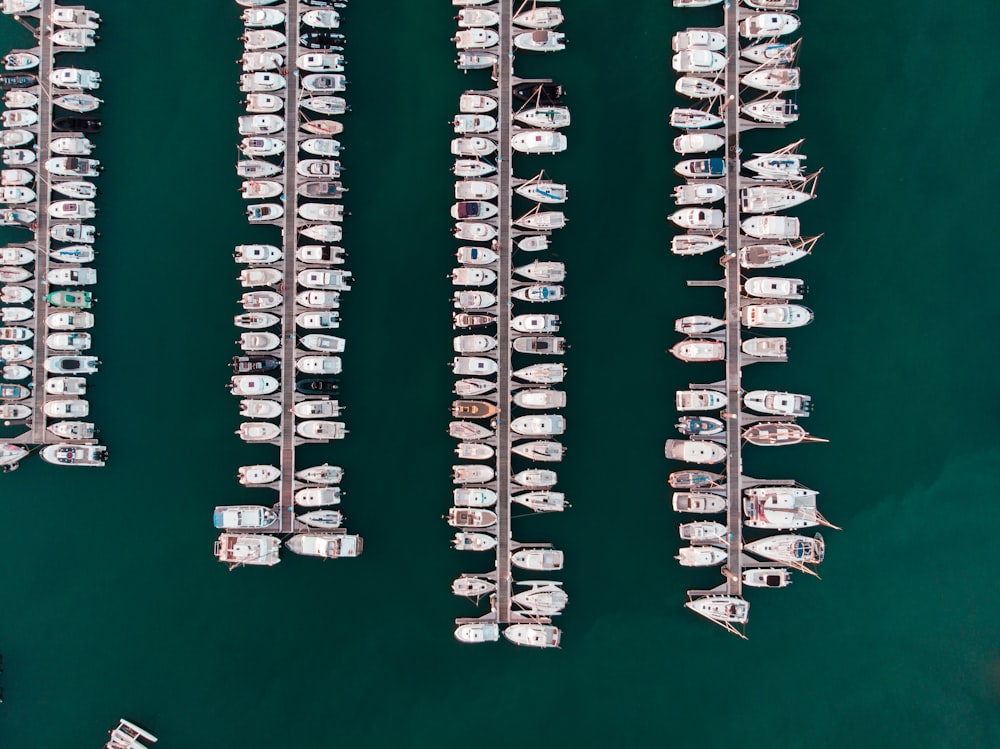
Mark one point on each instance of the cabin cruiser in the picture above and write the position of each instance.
(318, 168)
(258, 341)
(776, 315)
(697, 324)
(696, 193)
(260, 409)
(535, 478)
(474, 497)
(546, 118)
(262, 17)
(698, 61)
(476, 38)
(698, 39)
(236, 517)
(73, 18)
(87, 80)
(544, 191)
(539, 18)
(539, 399)
(774, 434)
(474, 276)
(474, 299)
(472, 387)
(781, 508)
(319, 364)
(478, 632)
(471, 517)
(324, 278)
(260, 124)
(473, 365)
(768, 25)
(254, 549)
(261, 146)
(700, 425)
(695, 87)
(540, 345)
(258, 300)
(321, 146)
(75, 455)
(473, 255)
(476, 103)
(473, 209)
(773, 79)
(72, 166)
(67, 408)
(253, 385)
(700, 556)
(772, 255)
(257, 253)
(544, 451)
(541, 501)
(770, 287)
(539, 560)
(698, 218)
(540, 40)
(321, 429)
(725, 610)
(473, 344)
(68, 364)
(772, 227)
(698, 502)
(790, 548)
(321, 18)
(473, 146)
(539, 292)
(70, 209)
(538, 141)
(320, 82)
(317, 409)
(699, 400)
(695, 451)
(262, 212)
(318, 320)
(475, 231)
(698, 142)
(316, 496)
(472, 168)
(258, 431)
(68, 341)
(695, 168)
(475, 189)
(775, 110)
(535, 323)
(767, 577)
(261, 82)
(318, 62)
(324, 474)
(534, 635)
(694, 244)
(474, 541)
(17, 157)
(78, 39)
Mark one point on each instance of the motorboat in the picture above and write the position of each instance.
(781, 508)
(15, 138)
(538, 141)
(773, 80)
(14, 274)
(472, 387)
(318, 496)
(476, 209)
(323, 343)
(253, 408)
(321, 429)
(542, 374)
(325, 40)
(475, 103)
(257, 475)
(475, 145)
(543, 191)
(473, 255)
(767, 577)
(773, 4)
(698, 39)
(260, 124)
(476, 189)
(695, 451)
(772, 227)
(698, 324)
(700, 426)
(539, 398)
(318, 299)
(472, 587)
(545, 118)
(82, 103)
(539, 292)
(75, 455)
(774, 110)
(252, 385)
(778, 403)
(474, 299)
(78, 189)
(66, 408)
(68, 341)
(776, 315)
(70, 299)
(262, 17)
(703, 531)
(263, 212)
(84, 125)
(256, 169)
(474, 451)
(321, 18)
(471, 517)
(695, 87)
(477, 17)
(318, 62)
(770, 287)
(476, 38)
(262, 39)
(696, 168)
(77, 39)
(478, 632)
(261, 146)
(321, 146)
(766, 347)
(317, 409)
(260, 300)
(535, 478)
(472, 168)
(474, 123)
(72, 166)
(257, 254)
(317, 385)
(702, 503)
(259, 103)
(699, 400)
(473, 365)
(541, 94)
(18, 157)
(252, 549)
(69, 364)
(698, 218)
(74, 18)
(255, 363)
(474, 344)
(323, 232)
(66, 385)
(768, 25)
(541, 500)
(72, 209)
(20, 99)
(473, 276)
(14, 412)
(770, 53)
(14, 392)
(470, 320)
(322, 189)
(15, 294)
(543, 451)
(475, 231)
(474, 541)
(473, 409)
(468, 430)
(324, 278)
(775, 434)
(318, 168)
(77, 78)
(318, 320)
(539, 18)
(476, 496)
(694, 244)
(258, 431)
(17, 80)
(772, 255)
(319, 364)
(535, 323)
(790, 548)
(15, 314)
(691, 119)
(540, 40)
(10, 454)
(16, 118)
(700, 556)
(724, 610)
(324, 474)
(261, 82)
(694, 3)
(16, 177)
(475, 59)
(698, 61)
(695, 350)
(324, 82)
(698, 193)
(538, 560)
(255, 341)
(237, 517)
(698, 142)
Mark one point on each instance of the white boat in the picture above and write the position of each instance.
(778, 403)
(711, 219)
(474, 541)
(262, 39)
(14, 274)
(694, 3)
(321, 518)
(473, 365)
(473, 276)
(15, 138)
(317, 62)
(700, 556)
(538, 141)
(472, 168)
(10, 454)
(472, 387)
(15, 294)
(790, 548)
(472, 474)
(543, 451)
(770, 287)
(698, 143)
(539, 560)
(72, 209)
(321, 429)
(770, 53)
(699, 350)
(318, 168)
(18, 156)
(75, 455)
(698, 88)
(255, 341)
(475, 496)
(253, 549)
(703, 531)
(691, 39)
(79, 189)
(471, 517)
(15, 314)
(543, 191)
(15, 118)
(779, 165)
(473, 344)
(772, 255)
(259, 103)
(540, 399)
(261, 82)
(20, 99)
(533, 243)
(475, 189)
(66, 408)
(324, 474)
(687, 118)
(321, 18)
(16, 177)
(694, 244)
(550, 271)
(262, 17)
(775, 110)
(256, 276)
(542, 220)
(772, 227)
(724, 610)
(477, 17)
(535, 323)
(773, 79)
(258, 300)
(323, 343)
(478, 632)
(535, 478)
(768, 25)
(475, 59)
(318, 496)
(545, 118)
(474, 103)
(317, 409)
(76, 38)
(68, 341)
(16, 333)
(474, 451)
(767, 577)
(473, 146)
(324, 82)
(698, 502)
(766, 347)
(14, 412)
(473, 255)
(776, 315)
(474, 231)
(258, 431)
(260, 409)
(542, 373)
(318, 320)
(698, 61)
(697, 193)
(472, 587)
(78, 102)
(540, 40)
(773, 4)
(257, 475)
(539, 18)
(322, 211)
(256, 169)
(311, 364)
(781, 508)
(476, 39)
(75, 78)
(65, 364)
(474, 123)
(74, 18)
(262, 146)
(541, 501)
(239, 517)
(321, 146)
(253, 385)
(474, 299)
(534, 635)
(695, 451)
(323, 232)
(770, 198)
(699, 400)
(259, 124)
(697, 324)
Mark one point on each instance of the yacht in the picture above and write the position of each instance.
(73, 18)
(238, 517)
(321, 18)
(464, 517)
(541, 501)
(543, 374)
(546, 345)
(79, 189)
(473, 344)
(475, 496)
(473, 255)
(687, 118)
(323, 474)
(698, 60)
(767, 577)
(473, 387)
(773, 255)
(474, 451)
(698, 218)
(781, 508)
(539, 292)
(321, 429)
(776, 315)
(703, 503)
(539, 560)
(540, 40)
(696, 168)
(318, 496)
(478, 632)
(774, 110)
(534, 635)
(725, 610)
(324, 104)
(475, 103)
(328, 546)
(472, 168)
(72, 209)
(318, 62)
(703, 531)
(539, 18)
(540, 399)
(700, 400)
(481, 38)
(694, 480)
(698, 39)
(697, 324)
(260, 124)
(260, 409)
(258, 431)
(700, 556)
(327, 519)
(259, 300)
(770, 198)
(773, 80)
(772, 227)
(535, 323)
(468, 430)
(544, 191)
(542, 220)
(777, 165)
(67, 364)
(318, 320)
(66, 385)
(472, 587)
(770, 53)
(542, 451)
(73, 430)
(774, 434)
(78, 78)
(695, 451)
(768, 25)
(324, 278)
(698, 142)
(257, 254)
(766, 347)
(698, 88)
(253, 385)
(695, 193)
(474, 299)
(255, 549)
(790, 548)
(75, 455)
(474, 541)
(538, 141)
(769, 287)
(694, 244)
(546, 118)
(317, 409)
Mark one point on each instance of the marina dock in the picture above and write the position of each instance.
(51, 402)
(716, 69)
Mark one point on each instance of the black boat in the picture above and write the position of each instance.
(17, 80)
(544, 94)
(312, 385)
(76, 124)
(255, 363)
(321, 40)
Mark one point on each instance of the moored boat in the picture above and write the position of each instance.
(253, 549)
(75, 455)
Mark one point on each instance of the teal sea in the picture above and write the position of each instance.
(111, 603)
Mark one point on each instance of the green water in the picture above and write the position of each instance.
(112, 603)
